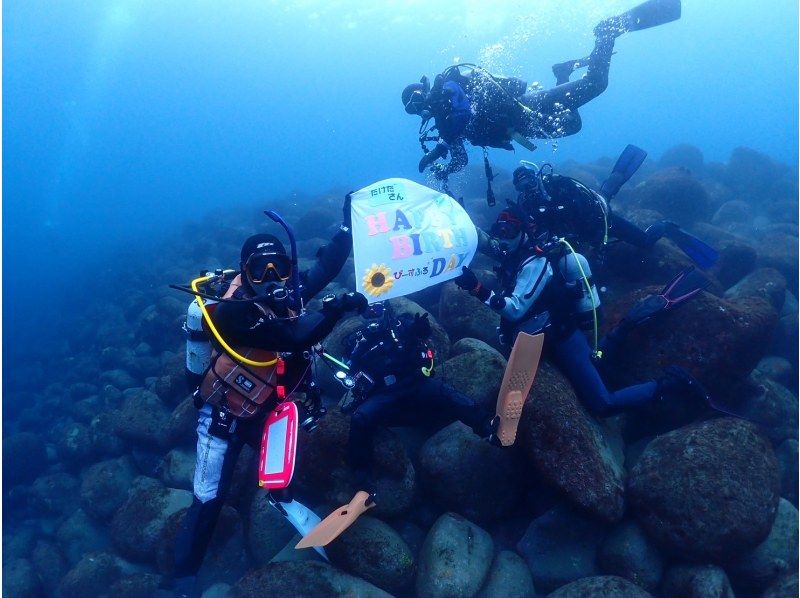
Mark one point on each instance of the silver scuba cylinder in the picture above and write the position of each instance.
(574, 267)
(198, 344)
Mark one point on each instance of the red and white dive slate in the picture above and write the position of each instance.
(278, 447)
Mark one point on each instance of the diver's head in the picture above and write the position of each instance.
(511, 223)
(265, 266)
(532, 198)
(415, 98)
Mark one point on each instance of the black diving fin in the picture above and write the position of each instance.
(627, 164)
(700, 252)
(683, 287)
(651, 14)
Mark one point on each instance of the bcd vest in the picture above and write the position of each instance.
(242, 388)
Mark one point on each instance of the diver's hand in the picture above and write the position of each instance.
(421, 326)
(347, 220)
(353, 302)
(439, 151)
(467, 279)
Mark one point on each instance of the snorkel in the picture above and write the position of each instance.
(295, 297)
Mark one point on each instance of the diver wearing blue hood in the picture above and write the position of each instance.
(468, 103)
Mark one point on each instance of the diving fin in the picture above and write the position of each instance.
(627, 164)
(683, 287)
(698, 251)
(517, 381)
(651, 14)
(330, 528)
(303, 519)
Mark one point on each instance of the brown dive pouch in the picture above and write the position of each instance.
(239, 387)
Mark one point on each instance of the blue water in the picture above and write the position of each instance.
(124, 119)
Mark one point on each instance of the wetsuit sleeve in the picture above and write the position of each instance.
(487, 245)
(242, 324)
(531, 281)
(330, 260)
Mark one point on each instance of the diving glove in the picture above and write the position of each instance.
(439, 151)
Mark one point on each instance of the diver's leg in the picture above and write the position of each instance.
(627, 231)
(451, 405)
(573, 356)
(216, 458)
(380, 408)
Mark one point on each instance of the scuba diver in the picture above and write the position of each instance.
(564, 206)
(392, 382)
(546, 287)
(467, 103)
(261, 357)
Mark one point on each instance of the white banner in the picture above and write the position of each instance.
(407, 237)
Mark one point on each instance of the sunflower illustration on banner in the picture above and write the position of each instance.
(407, 237)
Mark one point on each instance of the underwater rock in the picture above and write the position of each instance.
(770, 405)
(683, 155)
(49, 564)
(717, 341)
(675, 194)
(79, 535)
(73, 443)
(137, 585)
(469, 476)
(454, 559)
(561, 547)
(118, 379)
(177, 469)
(736, 260)
(180, 430)
(19, 541)
(477, 374)
(137, 525)
(266, 530)
(785, 341)
(92, 576)
(105, 442)
(56, 494)
(628, 553)
(570, 449)
(20, 580)
(466, 345)
(732, 211)
(463, 316)
(104, 487)
(777, 369)
(772, 558)
(707, 491)
(142, 419)
(751, 174)
(787, 465)
(785, 587)
(696, 581)
(24, 458)
(608, 586)
(322, 471)
(171, 385)
(780, 252)
(310, 578)
(766, 283)
(373, 551)
(509, 577)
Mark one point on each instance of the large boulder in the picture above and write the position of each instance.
(570, 449)
(774, 557)
(676, 194)
(561, 547)
(787, 455)
(603, 586)
(685, 156)
(139, 523)
(468, 475)
(181, 426)
(142, 419)
(92, 576)
(785, 587)
(696, 581)
(628, 553)
(55, 493)
(373, 551)
(176, 470)
(767, 283)
(463, 316)
(79, 535)
(509, 577)
(49, 564)
(707, 491)
(267, 531)
(20, 580)
(302, 578)
(454, 559)
(477, 372)
(781, 253)
(104, 487)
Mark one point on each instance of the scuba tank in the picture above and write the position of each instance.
(198, 343)
(577, 275)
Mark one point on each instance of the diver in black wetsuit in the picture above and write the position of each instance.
(256, 321)
(395, 384)
(491, 111)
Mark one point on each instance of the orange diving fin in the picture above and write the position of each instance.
(517, 381)
(327, 530)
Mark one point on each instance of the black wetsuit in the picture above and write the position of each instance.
(402, 395)
(245, 325)
(498, 106)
